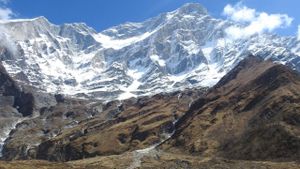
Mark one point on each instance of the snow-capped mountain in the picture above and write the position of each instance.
(183, 48)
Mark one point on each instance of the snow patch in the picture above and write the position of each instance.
(133, 87)
(20, 20)
(109, 42)
(177, 78)
(191, 47)
(207, 51)
(212, 76)
(170, 15)
(189, 16)
(156, 59)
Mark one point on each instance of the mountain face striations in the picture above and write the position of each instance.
(176, 50)
(174, 91)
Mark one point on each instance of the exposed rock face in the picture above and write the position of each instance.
(14, 104)
(11, 95)
(75, 129)
(183, 48)
(50, 122)
(251, 114)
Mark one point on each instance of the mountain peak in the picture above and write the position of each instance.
(37, 19)
(193, 8)
(248, 63)
(42, 18)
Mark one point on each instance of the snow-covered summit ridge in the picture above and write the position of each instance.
(179, 49)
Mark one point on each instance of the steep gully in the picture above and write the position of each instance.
(6, 132)
(152, 151)
(15, 105)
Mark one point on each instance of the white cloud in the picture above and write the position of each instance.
(239, 13)
(253, 22)
(6, 13)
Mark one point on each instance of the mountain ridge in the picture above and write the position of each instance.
(252, 107)
(176, 50)
(232, 124)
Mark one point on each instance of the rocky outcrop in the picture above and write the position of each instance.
(14, 105)
(251, 114)
(77, 129)
(120, 127)
(50, 122)
(183, 48)
(12, 95)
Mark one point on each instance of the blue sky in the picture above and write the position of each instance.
(102, 14)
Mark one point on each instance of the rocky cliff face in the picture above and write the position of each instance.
(14, 104)
(76, 129)
(251, 114)
(13, 96)
(175, 50)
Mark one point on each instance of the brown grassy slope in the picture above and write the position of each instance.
(252, 114)
(132, 124)
(166, 161)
